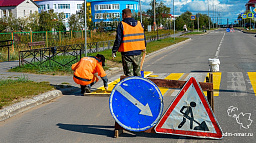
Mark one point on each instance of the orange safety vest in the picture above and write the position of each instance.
(133, 38)
(85, 69)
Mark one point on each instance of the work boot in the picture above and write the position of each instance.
(82, 89)
(87, 89)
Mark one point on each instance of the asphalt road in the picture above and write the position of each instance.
(74, 118)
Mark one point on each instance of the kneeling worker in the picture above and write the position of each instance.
(85, 72)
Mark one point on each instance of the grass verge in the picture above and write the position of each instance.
(15, 90)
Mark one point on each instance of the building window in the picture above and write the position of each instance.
(41, 7)
(115, 6)
(106, 7)
(4, 13)
(55, 7)
(107, 15)
(79, 6)
(30, 11)
(63, 6)
(67, 15)
(9, 12)
(24, 12)
(48, 6)
(130, 6)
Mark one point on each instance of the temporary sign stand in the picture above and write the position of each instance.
(208, 86)
(190, 115)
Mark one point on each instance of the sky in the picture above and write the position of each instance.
(223, 8)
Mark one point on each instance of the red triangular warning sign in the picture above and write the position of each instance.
(190, 115)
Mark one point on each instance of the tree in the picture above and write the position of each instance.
(33, 21)
(3, 25)
(74, 22)
(161, 12)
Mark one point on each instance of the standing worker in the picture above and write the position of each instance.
(131, 42)
(86, 70)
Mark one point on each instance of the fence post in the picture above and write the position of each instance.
(46, 35)
(82, 34)
(60, 37)
(19, 58)
(108, 44)
(12, 43)
(31, 40)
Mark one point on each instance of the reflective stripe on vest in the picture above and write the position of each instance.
(133, 38)
(83, 79)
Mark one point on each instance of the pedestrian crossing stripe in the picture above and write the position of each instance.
(200, 77)
(216, 83)
(252, 77)
(172, 76)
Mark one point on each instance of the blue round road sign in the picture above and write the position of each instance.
(136, 103)
(228, 30)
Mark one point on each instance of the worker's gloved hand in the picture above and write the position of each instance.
(113, 55)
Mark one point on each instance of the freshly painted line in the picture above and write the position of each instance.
(216, 83)
(112, 84)
(145, 110)
(172, 76)
(236, 84)
(174, 92)
(252, 77)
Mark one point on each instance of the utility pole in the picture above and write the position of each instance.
(85, 35)
(173, 21)
(140, 13)
(154, 15)
(209, 16)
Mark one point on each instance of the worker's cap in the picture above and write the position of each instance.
(102, 59)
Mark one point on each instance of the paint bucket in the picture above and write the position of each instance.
(142, 73)
(214, 64)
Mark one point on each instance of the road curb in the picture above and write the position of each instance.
(174, 45)
(20, 107)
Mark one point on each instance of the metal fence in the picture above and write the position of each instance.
(51, 38)
(43, 55)
(47, 54)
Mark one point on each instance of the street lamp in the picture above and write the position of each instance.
(85, 35)
(140, 13)
(209, 16)
(154, 15)
(173, 21)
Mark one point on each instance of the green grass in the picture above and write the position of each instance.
(55, 69)
(15, 90)
(193, 33)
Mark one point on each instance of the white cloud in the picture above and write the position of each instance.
(225, 8)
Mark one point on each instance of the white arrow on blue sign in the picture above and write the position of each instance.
(136, 104)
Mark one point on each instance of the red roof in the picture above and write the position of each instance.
(10, 2)
(252, 1)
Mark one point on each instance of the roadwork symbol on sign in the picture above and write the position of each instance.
(136, 104)
(190, 115)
